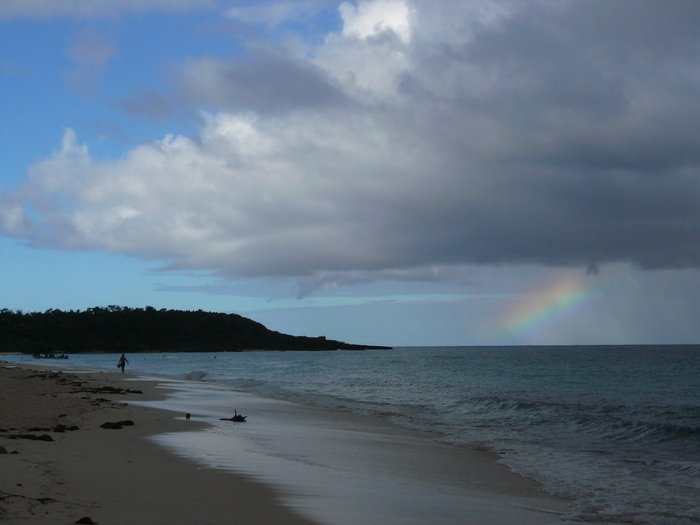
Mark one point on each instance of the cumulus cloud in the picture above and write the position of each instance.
(367, 19)
(421, 135)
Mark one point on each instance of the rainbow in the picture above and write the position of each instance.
(544, 303)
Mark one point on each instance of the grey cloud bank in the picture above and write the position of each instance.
(422, 135)
(80, 9)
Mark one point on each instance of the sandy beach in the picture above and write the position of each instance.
(112, 476)
(151, 472)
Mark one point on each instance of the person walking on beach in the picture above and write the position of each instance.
(122, 362)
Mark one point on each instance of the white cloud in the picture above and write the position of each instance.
(248, 197)
(369, 18)
(370, 53)
(369, 70)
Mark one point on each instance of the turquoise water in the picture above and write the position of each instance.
(615, 428)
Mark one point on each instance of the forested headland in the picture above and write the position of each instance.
(117, 329)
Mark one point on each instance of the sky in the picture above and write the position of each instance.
(393, 172)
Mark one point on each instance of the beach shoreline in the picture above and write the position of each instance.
(112, 476)
(140, 473)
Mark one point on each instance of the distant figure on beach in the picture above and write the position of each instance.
(122, 362)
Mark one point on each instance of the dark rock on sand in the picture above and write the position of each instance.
(86, 521)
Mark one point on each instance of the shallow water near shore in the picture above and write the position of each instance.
(342, 469)
(617, 429)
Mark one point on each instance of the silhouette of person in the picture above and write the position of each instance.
(122, 362)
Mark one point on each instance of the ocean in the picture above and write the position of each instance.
(614, 428)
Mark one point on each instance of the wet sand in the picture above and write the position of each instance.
(342, 469)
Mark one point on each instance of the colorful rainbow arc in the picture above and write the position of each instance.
(542, 304)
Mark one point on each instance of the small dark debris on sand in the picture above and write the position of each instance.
(236, 417)
(86, 521)
(64, 428)
(43, 437)
(116, 425)
(57, 428)
(107, 390)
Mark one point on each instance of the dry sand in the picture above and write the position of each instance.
(111, 476)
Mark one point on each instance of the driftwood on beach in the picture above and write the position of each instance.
(236, 418)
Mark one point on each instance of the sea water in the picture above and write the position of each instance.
(616, 429)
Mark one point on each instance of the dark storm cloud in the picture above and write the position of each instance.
(596, 110)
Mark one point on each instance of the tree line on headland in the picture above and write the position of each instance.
(117, 329)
